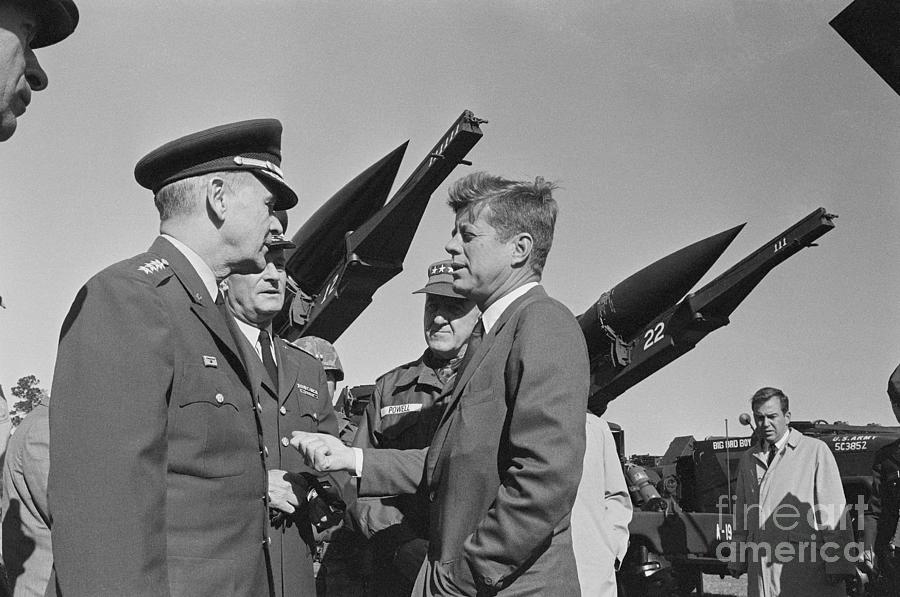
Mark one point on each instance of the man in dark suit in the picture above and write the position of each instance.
(292, 394)
(158, 482)
(504, 465)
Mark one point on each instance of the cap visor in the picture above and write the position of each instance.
(285, 197)
(441, 289)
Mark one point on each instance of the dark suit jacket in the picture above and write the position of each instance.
(505, 463)
(302, 403)
(157, 479)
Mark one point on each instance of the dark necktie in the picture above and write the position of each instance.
(265, 342)
(772, 451)
(472, 348)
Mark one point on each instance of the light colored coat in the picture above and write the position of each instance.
(798, 505)
(27, 549)
(601, 512)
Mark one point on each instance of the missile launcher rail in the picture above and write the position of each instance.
(352, 245)
(667, 336)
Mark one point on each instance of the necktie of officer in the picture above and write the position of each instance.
(265, 343)
(772, 451)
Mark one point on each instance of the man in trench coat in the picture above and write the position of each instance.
(793, 537)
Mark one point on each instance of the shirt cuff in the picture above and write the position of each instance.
(357, 468)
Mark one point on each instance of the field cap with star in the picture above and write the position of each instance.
(440, 280)
(250, 145)
(56, 20)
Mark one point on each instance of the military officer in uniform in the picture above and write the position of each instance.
(292, 394)
(158, 482)
(26, 25)
(881, 553)
(404, 412)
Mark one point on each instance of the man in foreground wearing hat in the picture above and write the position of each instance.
(158, 482)
(26, 25)
(292, 394)
(404, 412)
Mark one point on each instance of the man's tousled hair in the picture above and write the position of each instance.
(512, 207)
(763, 395)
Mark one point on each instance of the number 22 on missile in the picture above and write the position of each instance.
(654, 335)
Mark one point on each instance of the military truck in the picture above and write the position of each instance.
(682, 502)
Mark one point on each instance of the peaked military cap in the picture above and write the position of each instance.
(280, 241)
(440, 280)
(56, 20)
(250, 145)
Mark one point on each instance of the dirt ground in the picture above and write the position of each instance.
(713, 586)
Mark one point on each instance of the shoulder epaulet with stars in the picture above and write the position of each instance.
(153, 266)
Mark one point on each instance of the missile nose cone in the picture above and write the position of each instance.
(322, 235)
(642, 296)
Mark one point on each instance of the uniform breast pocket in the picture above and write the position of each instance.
(207, 436)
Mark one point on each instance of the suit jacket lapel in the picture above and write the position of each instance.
(201, 304)
(287, 373)
(440, 436)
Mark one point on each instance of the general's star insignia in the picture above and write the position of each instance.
(153, 266)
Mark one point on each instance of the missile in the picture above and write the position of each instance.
(321, 238)
(353, 245)
(642, 296)
(675, 331)
(872, 28)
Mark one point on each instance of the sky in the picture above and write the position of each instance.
(663, 122)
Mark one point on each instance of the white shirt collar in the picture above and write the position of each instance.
(493, 313)
(781, 443)
(203, 270)
(251, 332)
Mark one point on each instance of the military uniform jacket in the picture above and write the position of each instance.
(403, 414)
(884, 506)
(302, 403)
(504, 466)
(157, 481)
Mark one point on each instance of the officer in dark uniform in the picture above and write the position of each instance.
(158, 482)
(292, 394)
(881, 553)
(403, 414)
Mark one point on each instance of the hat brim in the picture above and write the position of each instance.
(283, 245)
(285, 197)
(57, 18)
(440, 289)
